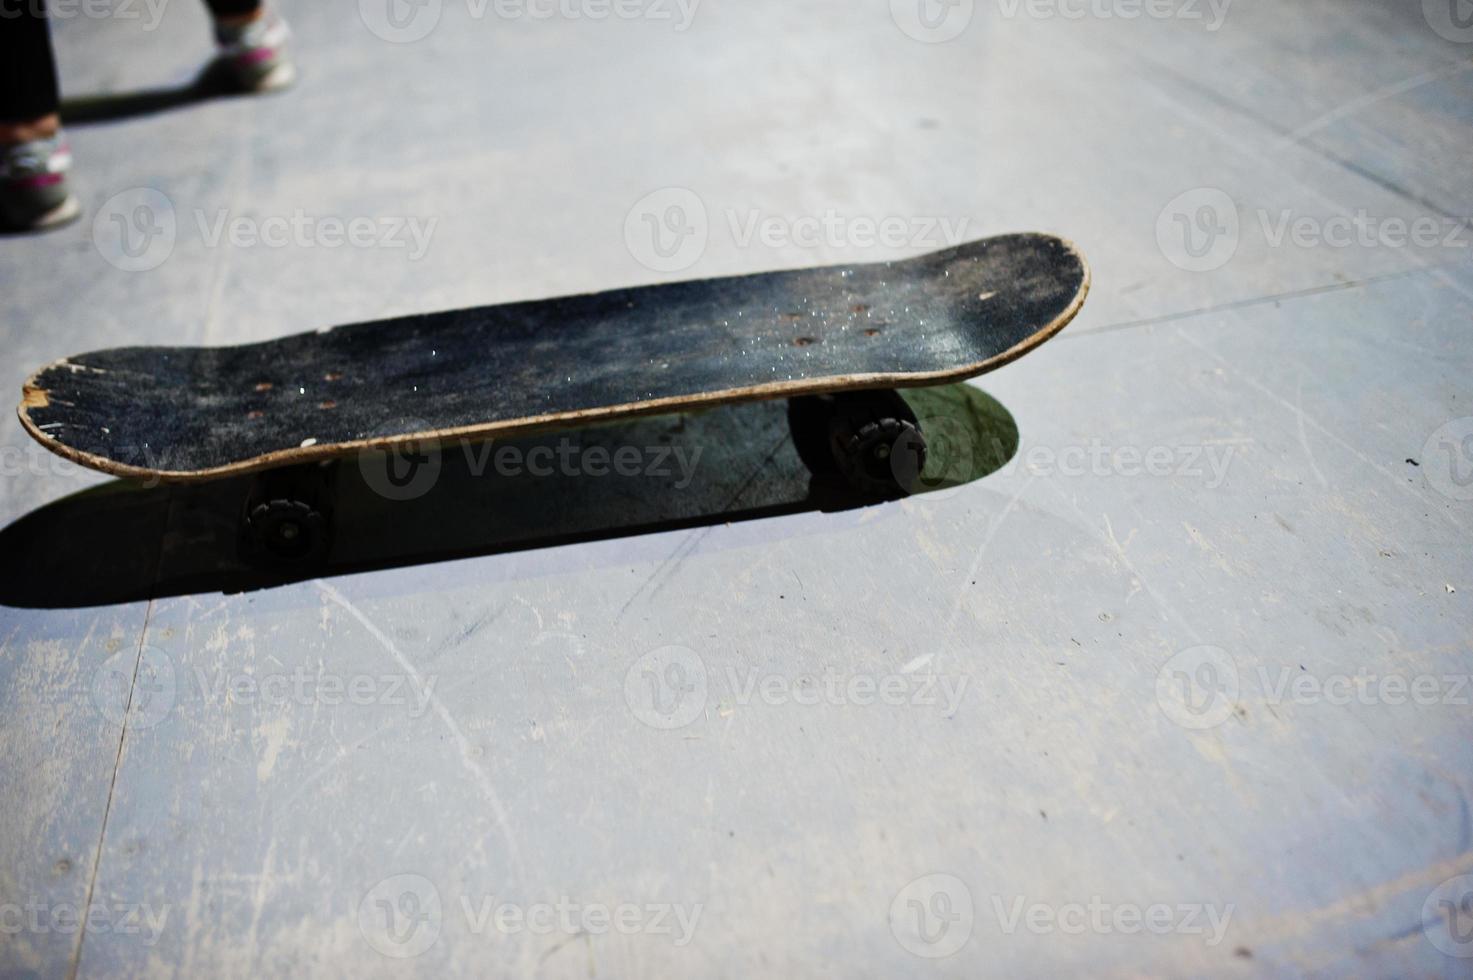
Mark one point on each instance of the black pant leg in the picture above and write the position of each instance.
(27, 65)
(233, 8)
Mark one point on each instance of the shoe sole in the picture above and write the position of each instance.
(64, 213)
(278, 78)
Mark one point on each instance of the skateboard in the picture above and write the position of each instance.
(836, 341)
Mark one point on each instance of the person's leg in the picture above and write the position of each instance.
(239, 11)
(33, 154)
(252, 39)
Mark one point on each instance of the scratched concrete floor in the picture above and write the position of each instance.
(1181, 689)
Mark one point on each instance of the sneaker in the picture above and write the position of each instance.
(34, 193)
(253, 56)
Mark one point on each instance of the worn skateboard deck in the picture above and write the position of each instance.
(198, 413)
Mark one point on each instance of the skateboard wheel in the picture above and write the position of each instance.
(288, 529)
(870, 439)
(876, 442)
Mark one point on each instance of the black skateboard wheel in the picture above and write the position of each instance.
(289, 530)
(287, 515)
(871, 439)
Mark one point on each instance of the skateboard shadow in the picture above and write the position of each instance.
(122, 542)
(210, 83)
